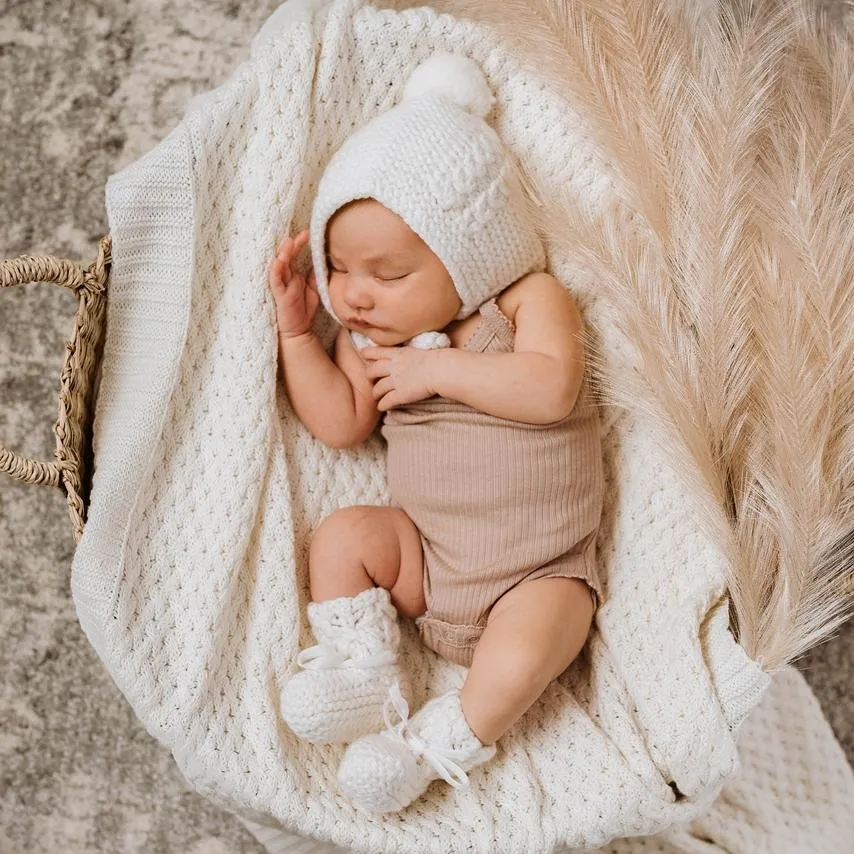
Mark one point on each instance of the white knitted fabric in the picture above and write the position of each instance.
(385, 771)
(191, 579)
(435, 162)
(794, 792)
(346, 676)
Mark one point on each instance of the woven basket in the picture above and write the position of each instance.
(72, 469)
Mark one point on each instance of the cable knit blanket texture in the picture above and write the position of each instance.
(191, 577)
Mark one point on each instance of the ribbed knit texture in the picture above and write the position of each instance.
(496, 501)
(191, 579)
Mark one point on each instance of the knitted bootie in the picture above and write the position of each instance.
(386, 771)
(345, 679)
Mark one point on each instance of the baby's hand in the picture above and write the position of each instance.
(403, 374)
(296, 299)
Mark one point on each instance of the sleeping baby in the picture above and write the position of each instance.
(467, 352)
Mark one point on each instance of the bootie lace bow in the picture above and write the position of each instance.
(442, 759)
(324, 656)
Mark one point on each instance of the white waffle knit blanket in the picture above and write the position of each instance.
(191, 577)
(793, 795)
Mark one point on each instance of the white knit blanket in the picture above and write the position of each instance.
(793, 795)
(191, 577)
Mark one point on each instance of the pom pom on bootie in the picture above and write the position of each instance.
(340, 692)
(384, 772)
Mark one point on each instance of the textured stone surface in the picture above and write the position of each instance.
(88, 87)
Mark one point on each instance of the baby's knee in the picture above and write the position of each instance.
(336, 561)
(538, 628)
(342, 529)
(515, 669)
(362, 535)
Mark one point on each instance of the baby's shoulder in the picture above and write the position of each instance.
(531, 288)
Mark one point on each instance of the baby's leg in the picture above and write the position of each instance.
(533, 633)
(360, 547)
(357, 554)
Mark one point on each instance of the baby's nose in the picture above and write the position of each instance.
(358, 293)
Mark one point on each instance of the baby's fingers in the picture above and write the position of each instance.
(300, 241)
(290, 246)
(281, 274)
(286, 250)
(277, 271)
(282, 243)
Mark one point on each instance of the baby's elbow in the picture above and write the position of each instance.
(341, 441)
(332, 435)
(349, 436)
(565, 398)
(571, 379)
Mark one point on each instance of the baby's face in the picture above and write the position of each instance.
(384, 281)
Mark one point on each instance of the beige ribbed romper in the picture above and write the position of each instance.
(496, 501)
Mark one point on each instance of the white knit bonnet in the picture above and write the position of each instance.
(436, 163)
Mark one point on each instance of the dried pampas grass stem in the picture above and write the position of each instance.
(725, 256)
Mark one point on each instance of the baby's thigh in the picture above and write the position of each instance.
(545, 620)
(388, 545)
(543, 602)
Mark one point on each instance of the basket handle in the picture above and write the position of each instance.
(90, 287)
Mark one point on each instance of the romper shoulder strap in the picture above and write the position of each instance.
(498, 323)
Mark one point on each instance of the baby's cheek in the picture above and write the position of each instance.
(333, 288)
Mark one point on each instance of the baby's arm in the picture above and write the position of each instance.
(539, 381)
(332, 397)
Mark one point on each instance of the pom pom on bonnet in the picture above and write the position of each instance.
(436, 163)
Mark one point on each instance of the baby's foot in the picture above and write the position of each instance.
(384, 772)
(339, 695)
